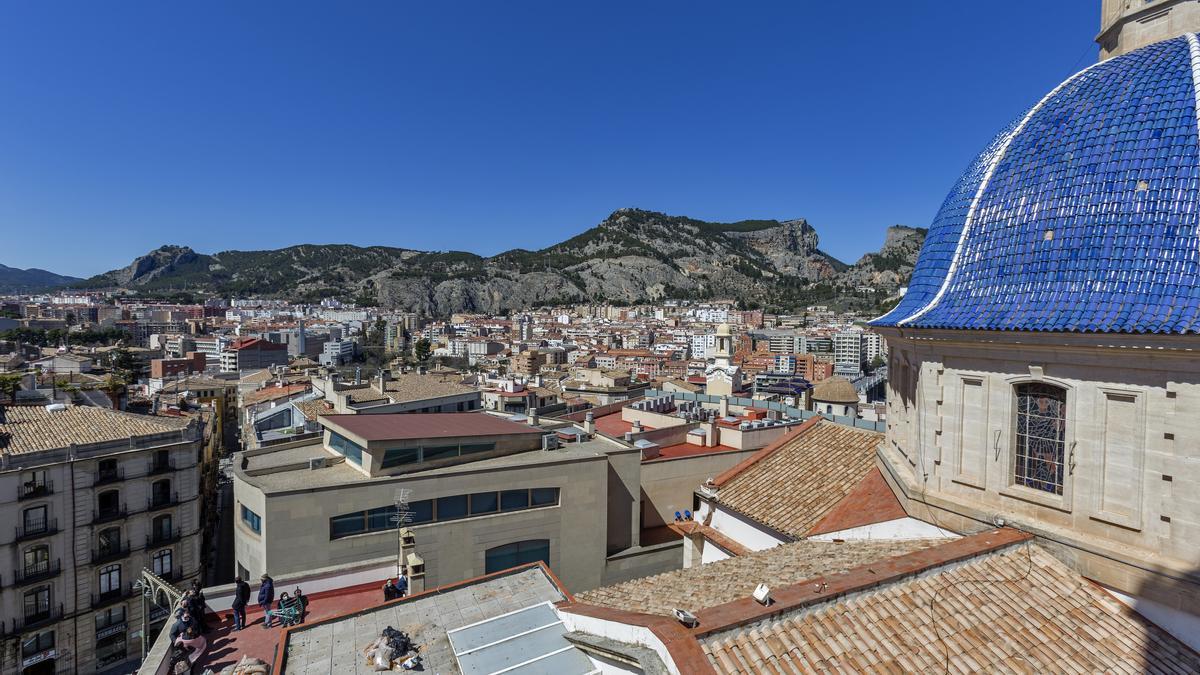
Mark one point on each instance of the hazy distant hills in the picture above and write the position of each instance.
(13, 280)
(632, 256)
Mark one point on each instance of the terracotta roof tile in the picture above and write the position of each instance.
(719, 582)
(792, 486)
(1017, 610)
(33, 428)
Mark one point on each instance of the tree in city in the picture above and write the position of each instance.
(877, 362)
(422, 350)
(115, 388)
(10, 384)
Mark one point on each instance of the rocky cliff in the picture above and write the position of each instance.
(632, 256)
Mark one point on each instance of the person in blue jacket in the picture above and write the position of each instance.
(266, 594)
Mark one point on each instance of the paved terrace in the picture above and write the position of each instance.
(336, 645)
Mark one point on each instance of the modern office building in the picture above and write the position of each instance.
(93, 497)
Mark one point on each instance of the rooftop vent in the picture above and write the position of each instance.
(762, 594)
(550, 442)
(686, 618)
(56, 407)
(316, 463)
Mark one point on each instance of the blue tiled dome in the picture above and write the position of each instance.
(1082, 215)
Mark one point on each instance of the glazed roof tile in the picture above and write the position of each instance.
(1083, 215)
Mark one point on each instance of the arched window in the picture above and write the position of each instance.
(161, 528)
(162, 563)
(37, 560)
(108, 541)
(108, 503)
(110, 579)
(160, 492)
(1040, 434)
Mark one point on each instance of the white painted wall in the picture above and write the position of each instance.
(712, 553)
(620, 632)
(898, 529)
(1185, 627)
(744, 531)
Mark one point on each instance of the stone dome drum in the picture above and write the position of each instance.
(1083, 215)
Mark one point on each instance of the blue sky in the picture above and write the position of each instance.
(495, 125)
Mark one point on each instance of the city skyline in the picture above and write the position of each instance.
(366, 128)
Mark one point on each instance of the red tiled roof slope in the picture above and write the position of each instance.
(796, 484)
(871, 501)
(1016, 610)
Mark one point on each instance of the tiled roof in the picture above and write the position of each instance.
(407, 387)
(719, 582)
(314, 409)
(1016, 610)
(272, 393)
(1081, 216)
(835, 390)
(33, 428)
(792, 484)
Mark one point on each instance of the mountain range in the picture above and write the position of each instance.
(13, 280)
(632, 256)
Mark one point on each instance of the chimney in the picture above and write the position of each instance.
(637, 427)
(358, 375)
(533, 417)
(724, 406)
(589, 424)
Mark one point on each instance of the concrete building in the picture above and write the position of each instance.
(338, 352)
(472, 488)
(96, 496)
(252, 354)
(403, 392)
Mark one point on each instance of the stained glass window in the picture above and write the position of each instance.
(1041, 432)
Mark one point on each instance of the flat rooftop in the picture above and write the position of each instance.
(403, 426)
(339, 473)
(450, 625)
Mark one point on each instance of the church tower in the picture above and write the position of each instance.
(1126, 25)
(723, 378)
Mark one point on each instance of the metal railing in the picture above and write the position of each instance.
(163, 538)
(37, 620)
(37, 529)
(33, 490)
(162, 501)
(106, 477)
(157, 467)
(109, 597)
(39, 571)
(109, 553)
(109, 515)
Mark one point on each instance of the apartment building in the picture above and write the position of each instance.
(252, 354)
(849, 357)
(94, 496)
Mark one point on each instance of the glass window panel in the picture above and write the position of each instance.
(399, 457)
(1040, 437)
(472, 448)
(381, 518)
(420, 512)
(449, 508)
(348, 448)
(543, 496)
(343, 526)
(484, 502)
(512, 500)
(434, 453)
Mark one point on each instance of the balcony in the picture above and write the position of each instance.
(34, 530)
(109, 515)
(164, 538)
(105, 554)
(35, 489)
(106, 477)
(162, 501)
(32, 622)
(159, 467)
(38, 572)
(101, 600)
